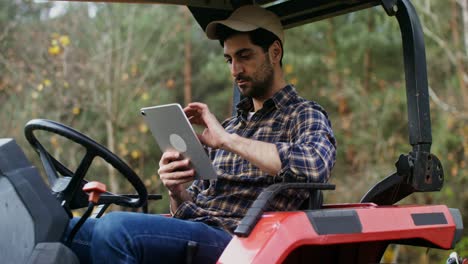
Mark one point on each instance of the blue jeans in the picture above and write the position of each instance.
(124, 237)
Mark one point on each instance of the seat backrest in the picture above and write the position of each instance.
(29, 213)
(315, 201)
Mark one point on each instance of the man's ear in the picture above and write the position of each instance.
(276, 52)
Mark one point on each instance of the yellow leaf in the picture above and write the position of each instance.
(76, 110)
(54, 141)
(143, 128)
(123, 149)
(40, 87)
(293, 81)
(148, 182)
(451, 122)
(288, 68)
(170, 83)
(54, 50)
(47, 82)
(124, 152)
(64, 40)
(134, 69)
(154, 178)
(145, 96)
(65, 84)
(135, 154)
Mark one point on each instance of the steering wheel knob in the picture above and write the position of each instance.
(94, 190)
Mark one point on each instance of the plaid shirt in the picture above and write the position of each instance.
(302, 133)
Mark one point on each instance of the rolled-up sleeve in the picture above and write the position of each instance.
(310, 154)
(195, 188)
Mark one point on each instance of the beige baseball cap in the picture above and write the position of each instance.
(248, 18)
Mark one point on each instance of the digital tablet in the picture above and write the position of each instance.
(173, 131)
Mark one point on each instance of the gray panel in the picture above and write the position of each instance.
(52, 253)
(11, 156)
(327, 222)
(16, 226)
(457, 218)
(429, 219)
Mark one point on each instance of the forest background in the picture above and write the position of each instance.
(93, 66)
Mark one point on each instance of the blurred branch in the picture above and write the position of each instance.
(432, 35)
(442, 43)
(464, 8)
(6, 30)
(446, 107)
(5, 62)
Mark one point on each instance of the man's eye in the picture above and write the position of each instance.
(228, 61)
(245, 56)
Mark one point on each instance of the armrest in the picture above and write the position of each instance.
(259, 205)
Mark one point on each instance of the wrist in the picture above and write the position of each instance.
(179, 195)
(228, 142)
(174, 195)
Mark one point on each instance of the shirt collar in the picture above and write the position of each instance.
(278, 100)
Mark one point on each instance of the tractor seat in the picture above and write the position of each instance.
(33, 221)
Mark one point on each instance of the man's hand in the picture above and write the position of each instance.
(214, 134)
(174, 171)
(261, 154)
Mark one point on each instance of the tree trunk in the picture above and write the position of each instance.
(334, 73)
(187, 58)
(368, 56)
(114, 185)
(464, 10)
(454, 26)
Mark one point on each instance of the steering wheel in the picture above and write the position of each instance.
(68, 189)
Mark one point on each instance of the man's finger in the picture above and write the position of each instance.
(168, 157)
(198, 105)
(196, 120)
(171, 183)
(179, 175)
(174, 165)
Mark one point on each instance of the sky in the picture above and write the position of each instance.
(59, 8)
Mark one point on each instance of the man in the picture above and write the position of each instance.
(276, 136)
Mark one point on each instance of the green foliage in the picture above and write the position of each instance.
(462, 247)
(94, 73)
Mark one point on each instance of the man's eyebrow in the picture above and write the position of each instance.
(238, 52)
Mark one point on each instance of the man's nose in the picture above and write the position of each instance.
(236, 68)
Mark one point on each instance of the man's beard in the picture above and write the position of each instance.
(260, 83)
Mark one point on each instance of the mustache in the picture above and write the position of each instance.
(240, 78)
